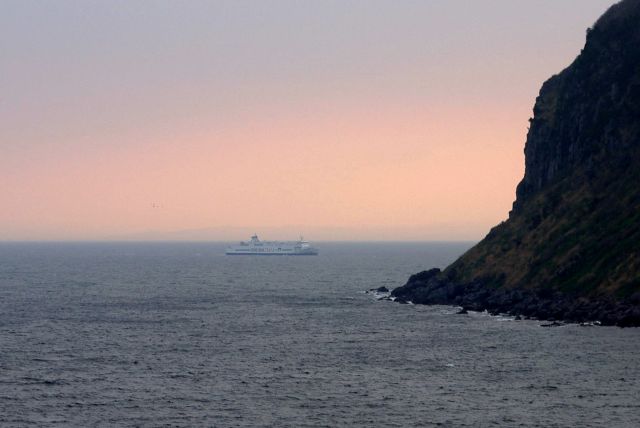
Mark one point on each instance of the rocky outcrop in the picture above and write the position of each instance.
(570, 248)
(432, 288)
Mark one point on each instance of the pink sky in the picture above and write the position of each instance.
(374, 120)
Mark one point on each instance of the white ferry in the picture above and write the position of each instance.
(256, 247)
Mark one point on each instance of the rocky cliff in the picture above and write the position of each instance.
(571, 246)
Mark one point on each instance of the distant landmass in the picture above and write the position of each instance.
(570, 249)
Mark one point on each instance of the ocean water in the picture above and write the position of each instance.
(177, 334)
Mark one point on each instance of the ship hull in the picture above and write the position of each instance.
(272, 254)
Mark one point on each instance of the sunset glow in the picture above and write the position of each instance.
(140, 120)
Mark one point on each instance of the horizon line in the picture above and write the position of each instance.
(150, 241)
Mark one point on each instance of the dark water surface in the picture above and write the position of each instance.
(180, 335)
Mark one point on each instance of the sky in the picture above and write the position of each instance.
(339, 120)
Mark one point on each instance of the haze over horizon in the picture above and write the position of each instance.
(360, 120)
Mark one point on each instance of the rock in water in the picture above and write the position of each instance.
(571, 247)
(552, 324)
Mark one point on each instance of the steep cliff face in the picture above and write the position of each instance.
(571, 246)
(587, 116)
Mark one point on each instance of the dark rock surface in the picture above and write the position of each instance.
(570, 249)
(435, 289)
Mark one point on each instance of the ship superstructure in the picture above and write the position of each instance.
(256, 247)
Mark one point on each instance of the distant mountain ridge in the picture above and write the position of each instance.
(571, 246)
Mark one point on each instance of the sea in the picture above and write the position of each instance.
(180, 335)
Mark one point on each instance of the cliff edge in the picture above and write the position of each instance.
(570, 248)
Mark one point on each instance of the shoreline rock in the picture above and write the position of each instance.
(433, 288)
